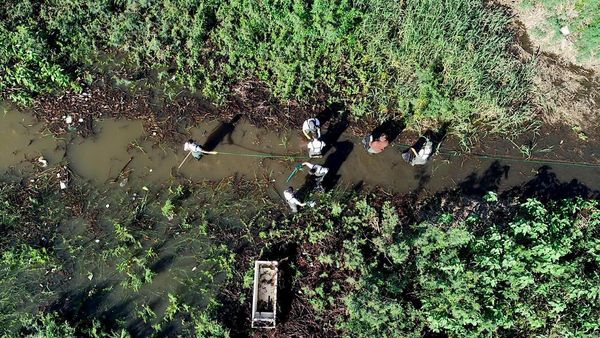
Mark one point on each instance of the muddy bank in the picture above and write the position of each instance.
(121, 154)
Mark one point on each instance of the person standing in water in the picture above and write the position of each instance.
(292, 200)
(196, 149)
(312, 126)
(315, 148)
(378, 145)
(318, 172)
(421, 156)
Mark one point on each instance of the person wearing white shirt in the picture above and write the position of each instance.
(312, 125)
(421, 156)
(292, 200)
(315, 148)
(196, 149)
(318, 172)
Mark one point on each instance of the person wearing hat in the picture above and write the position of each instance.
(318, 172)
(376, 146)
(421, 156)
(312, 126)
(315, 148)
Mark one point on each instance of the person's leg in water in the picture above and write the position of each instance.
(319, 184)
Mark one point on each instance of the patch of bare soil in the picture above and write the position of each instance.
(545, 35)
(567, 89)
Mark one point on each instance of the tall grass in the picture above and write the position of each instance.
(428, 61)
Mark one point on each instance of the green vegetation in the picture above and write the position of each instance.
(503, 268)
(361, 264)
(107, 272)
(582, 17)
(429, 62)
(476, 277)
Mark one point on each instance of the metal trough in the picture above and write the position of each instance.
(264, 300)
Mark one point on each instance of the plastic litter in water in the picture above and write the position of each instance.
(43, 161)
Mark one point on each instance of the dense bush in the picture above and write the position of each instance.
(535, 274)
(428, 61)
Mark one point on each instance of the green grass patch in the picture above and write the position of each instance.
(429, 62)
(582, 17)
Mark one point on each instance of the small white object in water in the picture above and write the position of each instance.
(150, 170)
(145, 188)
(80, 119)
(311, 204)
(154, 133)
(63, 185)
(31, 181)
(43, 161)
(69, 119)
(194, 269)
(97, 241)
(108, 205)
(565, 30)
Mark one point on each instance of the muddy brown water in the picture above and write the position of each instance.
(101, 158)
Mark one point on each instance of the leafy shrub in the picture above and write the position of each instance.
(513, 279)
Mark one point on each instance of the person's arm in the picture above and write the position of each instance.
(318, 132)
(208, 152)
(295, 201)
(308, 165)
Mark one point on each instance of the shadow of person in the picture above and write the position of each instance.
(437, 137)
(329, 112)
(225, 129)
(488, 181)
(303, 193)
(334, 162)
(546, 186)
(392, 128)
(335, 130)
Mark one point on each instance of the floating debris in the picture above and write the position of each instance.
(43, 161)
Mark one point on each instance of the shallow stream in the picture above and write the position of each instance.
(122, 155)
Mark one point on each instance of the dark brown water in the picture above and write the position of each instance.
(104, 158)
